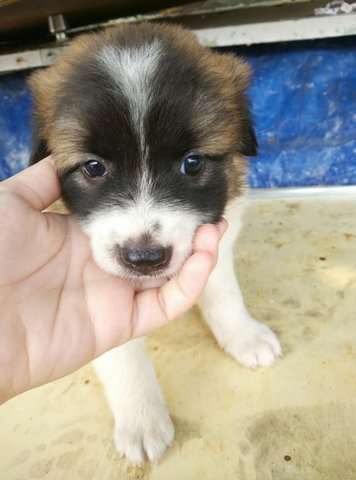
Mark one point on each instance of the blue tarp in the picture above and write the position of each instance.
(303, 97)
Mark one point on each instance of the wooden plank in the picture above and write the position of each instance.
(32, 15)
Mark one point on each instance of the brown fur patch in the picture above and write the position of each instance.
(228, 76)
(237, 183)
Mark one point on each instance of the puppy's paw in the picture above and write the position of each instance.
(144, 435)
(254, 346)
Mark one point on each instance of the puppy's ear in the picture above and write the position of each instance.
(248, 142)
(241, 74)
(43, 88)
(39, 149)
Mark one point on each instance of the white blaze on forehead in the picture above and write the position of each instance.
(133, 69)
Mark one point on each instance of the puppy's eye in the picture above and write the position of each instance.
(94, 168)
(192, 165)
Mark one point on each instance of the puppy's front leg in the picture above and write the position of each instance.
(250, 342)
(143, 428)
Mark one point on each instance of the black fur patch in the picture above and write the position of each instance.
(90, 97)
(182, 93)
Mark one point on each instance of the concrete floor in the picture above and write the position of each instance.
(296, 261)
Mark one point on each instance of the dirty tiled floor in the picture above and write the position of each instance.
(296, 261)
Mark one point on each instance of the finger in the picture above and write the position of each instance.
(155, 307)
(181, 292)
(205, 237)
(222, 225)
(37, 185)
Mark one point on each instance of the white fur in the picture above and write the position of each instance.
(115, 226)
(133, 71)
(143, 428)
(250, 342)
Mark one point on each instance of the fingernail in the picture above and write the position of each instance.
(222, 225)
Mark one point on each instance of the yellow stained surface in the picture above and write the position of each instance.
(296, 262)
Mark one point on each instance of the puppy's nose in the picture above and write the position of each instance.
(144, 256)
(145, 259)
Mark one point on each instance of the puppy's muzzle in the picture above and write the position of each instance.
(145, 259)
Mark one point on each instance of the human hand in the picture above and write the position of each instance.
(58, 309)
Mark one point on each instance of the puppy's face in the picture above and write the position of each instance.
(149, 130)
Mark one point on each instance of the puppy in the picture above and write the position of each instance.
(150, 131)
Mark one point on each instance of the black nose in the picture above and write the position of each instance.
(145, 259)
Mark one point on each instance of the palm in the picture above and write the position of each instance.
(68, 299)
(58, 309)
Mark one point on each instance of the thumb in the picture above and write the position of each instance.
(37, 185)
(155, 307)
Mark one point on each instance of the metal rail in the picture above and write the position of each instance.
(226, 25)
